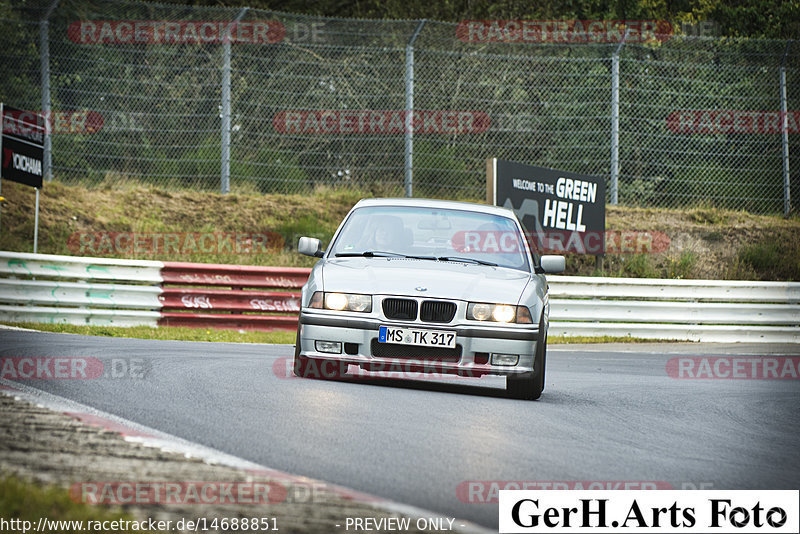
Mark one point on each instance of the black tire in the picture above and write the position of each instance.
(529, 386)
(305, 367)
(301, 363)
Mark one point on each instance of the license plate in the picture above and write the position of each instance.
(412, 336)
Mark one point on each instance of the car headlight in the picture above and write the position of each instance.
(498, 313)
(341, 301)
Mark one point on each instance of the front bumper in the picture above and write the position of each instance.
(477, 342)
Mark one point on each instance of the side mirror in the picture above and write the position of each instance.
(310, 247)
(553, 264)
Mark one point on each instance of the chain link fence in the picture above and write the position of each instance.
(296, 103)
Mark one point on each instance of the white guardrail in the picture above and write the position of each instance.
(694, 310)
(102, 291)
(44, 288)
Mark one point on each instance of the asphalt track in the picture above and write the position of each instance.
(608, 413)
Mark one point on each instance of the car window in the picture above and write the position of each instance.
(433, 232)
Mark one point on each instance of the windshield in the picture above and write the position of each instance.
(433, 234)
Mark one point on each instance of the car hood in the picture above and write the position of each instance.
(400, 276)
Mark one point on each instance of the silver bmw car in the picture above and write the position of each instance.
(429, 286)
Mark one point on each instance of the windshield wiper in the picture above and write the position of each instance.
(368, 254)
(381, 254)
(472, 260)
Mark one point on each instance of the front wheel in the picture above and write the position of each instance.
(306, 367)
(529, 386)
(301, 363)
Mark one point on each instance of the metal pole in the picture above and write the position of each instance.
(44, 49)
(36, 224)
(409, 122)
(787, 205)
(615, 123)
(615, 120)
(45, 56)
(614, 128)
(2, 122)
(225, 156)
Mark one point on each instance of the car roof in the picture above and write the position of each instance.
(434, 203)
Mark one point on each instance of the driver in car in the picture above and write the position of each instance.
(389, 235)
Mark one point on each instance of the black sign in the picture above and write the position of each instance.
(561, 211)
(23, 147)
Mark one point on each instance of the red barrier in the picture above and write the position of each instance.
(198, 303)
(191, 298)
(240, 276)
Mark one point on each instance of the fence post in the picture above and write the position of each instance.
(409, 118)
(2, 121)
(36, 224)
(44, 54)
(787, 205)
(614, 189)
(225, 156)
